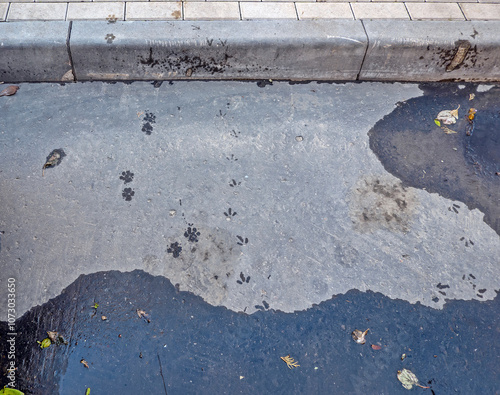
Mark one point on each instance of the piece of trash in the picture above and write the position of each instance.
(448, 117)
(437, 122)
(469, 128)
(242, 377)
(10, 391)
(290, 362)
(359, 336)
(87, 392)
(142, 314)
(85, 363)
(9, 91)
(472, 96)
(376, 347)
(56, 338)
(447, 130)
(403, 357)
(45, 343)
(54, 158)
(472, 114)
(408, 379)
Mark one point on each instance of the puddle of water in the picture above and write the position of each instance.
(458, 167)
(202, 348)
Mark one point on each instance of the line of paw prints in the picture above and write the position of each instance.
(127, 193)
(149, 119)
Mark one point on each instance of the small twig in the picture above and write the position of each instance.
(161, 373)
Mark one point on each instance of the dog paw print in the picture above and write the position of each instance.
(230, 213)
(234, 133)
(111, 18)
(454, 208)
(127, 176)
(233, 183)
(174, 249)
(243, 279)
(109, 38)
(232, 158)
(127, 194)
(149, 119)
(192, 234)
(242, 241)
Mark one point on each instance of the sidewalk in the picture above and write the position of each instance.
(247, 10)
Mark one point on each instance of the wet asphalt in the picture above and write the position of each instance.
(247, 222)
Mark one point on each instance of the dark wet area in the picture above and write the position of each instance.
(189, 346)
(413, 148)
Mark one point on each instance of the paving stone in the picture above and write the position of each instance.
(82, 11)
(154, 10)
(210, 11)
(324, 10)
(37, 12)
(435, 11)
(268, 10)
(16, 1)
(379, 11)
(3, 11)
(475, 11)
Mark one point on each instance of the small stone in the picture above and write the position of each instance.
(299, 138)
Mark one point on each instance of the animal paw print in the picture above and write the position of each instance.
(232, 158)
(127, 194)
(109, 38)
(470, 279)
(230, 213)
(148, 119)
(442, 286)
(242, 241)
(264, 307)
(234, 133)
(174, 249)
(468, 243)
(192, 234)
(111, 18)
(233, 183)
(127, 176)
(243, 279)
(454, 208)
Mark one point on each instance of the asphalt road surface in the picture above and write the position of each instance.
(184, 236)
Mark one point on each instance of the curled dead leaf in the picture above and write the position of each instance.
(9, 91)
(85, 363)
(359, 336)
(142, 314)
(408, 379)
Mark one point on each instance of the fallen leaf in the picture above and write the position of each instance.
(408, 379)
(45, 343)
(56, 338)
(87, 392)
(436, 121)
(359, 336)
(9, 91)
(142, 314)
(10, 391)
(472, 114)
(376, 347)
(448, 117)
(53, 159)
(447, 130)
(403, 357)
(472, 96)
(84, 362)
(104, 318)
(290, 362)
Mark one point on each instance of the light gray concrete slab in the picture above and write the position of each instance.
(423, 50)
(276, 180)
(218, 50)
(34, 51)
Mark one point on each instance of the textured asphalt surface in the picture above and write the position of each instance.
(258, 202)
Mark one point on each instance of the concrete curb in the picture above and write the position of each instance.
(383, 50)
(218, 50)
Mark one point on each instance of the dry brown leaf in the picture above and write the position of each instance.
(359, 336)
(376, 347)
(85, 363)
(9, 91)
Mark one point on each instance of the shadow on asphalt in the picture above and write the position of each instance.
(212, 350)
